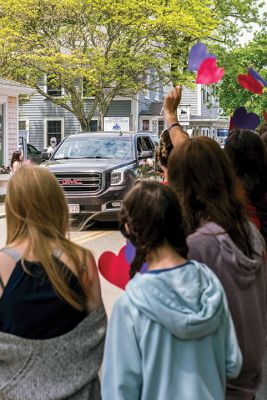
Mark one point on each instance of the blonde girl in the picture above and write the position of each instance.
(50, 294)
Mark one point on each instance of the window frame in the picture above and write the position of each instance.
(27, 127)
(46, 144)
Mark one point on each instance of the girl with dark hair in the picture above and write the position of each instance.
(170, 334)
(220, 235)
(164, 150)
(16, 161)
(248, 155)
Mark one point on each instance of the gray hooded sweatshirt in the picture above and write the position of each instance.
(64, 367)
(244, 281)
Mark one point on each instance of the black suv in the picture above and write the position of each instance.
(96, 169)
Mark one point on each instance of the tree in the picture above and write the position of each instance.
(237, 61)
(105, 46)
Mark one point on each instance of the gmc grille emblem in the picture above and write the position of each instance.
(70, 182)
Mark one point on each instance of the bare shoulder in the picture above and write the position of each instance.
(7, 264)
(5, 260)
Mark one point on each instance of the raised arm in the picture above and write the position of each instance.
(171, 102)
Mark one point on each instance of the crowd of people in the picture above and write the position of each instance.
(191, 327)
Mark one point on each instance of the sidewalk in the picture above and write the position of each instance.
(2, 211)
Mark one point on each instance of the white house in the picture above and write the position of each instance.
(9, 94)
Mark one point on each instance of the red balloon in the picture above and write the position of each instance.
(209, 72)
(114, 268)
(249, 83)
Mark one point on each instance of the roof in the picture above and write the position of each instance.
(155, 108)
(8, 87)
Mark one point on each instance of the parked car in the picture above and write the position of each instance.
(95, 170)
(29, 151)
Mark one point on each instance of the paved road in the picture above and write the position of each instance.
(106, 237)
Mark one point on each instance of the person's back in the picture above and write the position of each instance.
(170, 334)
(220, 235)
(51, 313)
(244, 281)
(248, 156)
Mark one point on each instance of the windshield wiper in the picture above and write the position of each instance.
(95, 157)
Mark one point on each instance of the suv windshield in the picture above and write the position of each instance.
(92, 147)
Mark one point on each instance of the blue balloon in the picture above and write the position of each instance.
(257, 76)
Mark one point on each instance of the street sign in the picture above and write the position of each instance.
(116, 124)
(183, 113)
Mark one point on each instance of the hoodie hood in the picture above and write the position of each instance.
(244, 268)
(188, 300)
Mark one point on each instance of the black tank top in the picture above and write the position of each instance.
(30, 307)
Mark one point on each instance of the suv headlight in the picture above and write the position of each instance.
(117, 177)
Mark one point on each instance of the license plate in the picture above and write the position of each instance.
(74, 208)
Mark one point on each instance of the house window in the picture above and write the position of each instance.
(24, 128)
(205, 131)
(54, 128)
(52, 88)
(160, 126)
(145, 125)
(23, 125)
(93, 125)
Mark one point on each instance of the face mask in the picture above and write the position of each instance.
(123, 231)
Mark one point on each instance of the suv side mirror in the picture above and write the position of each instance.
(45, 155)
(146, 154)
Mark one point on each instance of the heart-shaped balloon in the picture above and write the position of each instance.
(209, 73)
(257, 76)
(130, 254)
(114, 268)
(265, 116)
(244, 120)
(249, 83)
(197, 55)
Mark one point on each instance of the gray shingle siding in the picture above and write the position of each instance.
(190, 97)
(38, 109)
(120, 108)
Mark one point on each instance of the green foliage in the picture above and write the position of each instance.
(111, 45)
(237, 61)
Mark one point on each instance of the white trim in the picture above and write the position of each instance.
(13, 91)
(5, 132)
(45, 127)
(27, 126)
(134, 113)
(4, 103)
(3, 99)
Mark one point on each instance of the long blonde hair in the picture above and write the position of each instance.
(36, 209)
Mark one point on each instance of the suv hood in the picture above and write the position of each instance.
(85, 164)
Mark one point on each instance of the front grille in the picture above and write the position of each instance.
(90, 182)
